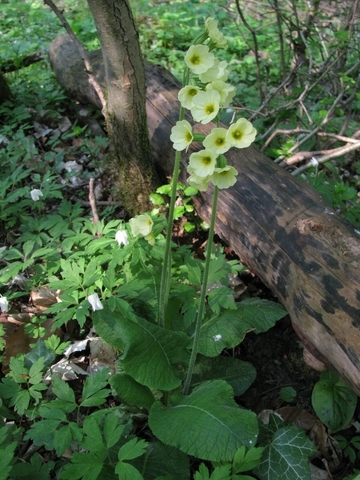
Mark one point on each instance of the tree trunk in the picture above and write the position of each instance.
(125, 111)
(5, 92)
(279, 227)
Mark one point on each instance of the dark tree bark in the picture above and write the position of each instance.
(125, 111)
(5, 92)
(280, 227)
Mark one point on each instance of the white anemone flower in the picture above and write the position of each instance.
(181, 135)
(4, 304)
(211, 26)
(121, 237)
(224, 177)
(199, 58)
(241, 134)
(141, 225)
(36, 194)
(206, 106)
(217, 141)
(186, 96)
(216, 72)
(94, 301)
(202, 163)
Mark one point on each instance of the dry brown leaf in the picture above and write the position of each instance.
(42, 297)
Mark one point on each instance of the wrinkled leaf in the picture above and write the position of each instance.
(207, 424)
(153, 356)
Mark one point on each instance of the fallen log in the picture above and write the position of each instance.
(279, 227)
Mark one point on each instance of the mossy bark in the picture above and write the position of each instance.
(125, 112)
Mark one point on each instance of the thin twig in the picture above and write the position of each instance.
(336, 153)
(82, 51)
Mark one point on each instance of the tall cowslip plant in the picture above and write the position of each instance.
(171, 335)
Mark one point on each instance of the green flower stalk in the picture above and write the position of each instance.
(204, 286)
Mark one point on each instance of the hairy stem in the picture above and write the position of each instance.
(204, 285)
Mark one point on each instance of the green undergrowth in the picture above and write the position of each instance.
(131, 419)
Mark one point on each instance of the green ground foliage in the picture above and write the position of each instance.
(64, 415)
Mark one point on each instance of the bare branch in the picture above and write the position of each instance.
(83, 54)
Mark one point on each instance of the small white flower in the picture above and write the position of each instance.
(226, 91)
(181, 135)
(216, 72)
(206, 106)
(94, 301)
(202, 163)
(217, 337)
(141, 225)
(224, 177)
(121, 237)
(4, 304)
(199, 58)
(36, 194)
(241, 134)
(187, 94)
(216, 141)
(214, 33)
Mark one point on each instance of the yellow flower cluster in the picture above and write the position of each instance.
(204, 95)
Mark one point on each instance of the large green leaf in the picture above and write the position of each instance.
(228, 329)
(152, 355)
(286, 457)
(239, 374)
(130, 391)
(207, 424)
(164, 460)
(333, 400)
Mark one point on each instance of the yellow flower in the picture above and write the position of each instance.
(186, 96)
(199, 58)
(201, 183)
(214, 33)
(216, 72)
(241, 134)
(202, 163)
(216, 141)
(224, 177)
(225, 90)
(206, 106)
(141, 225)
(181, 135)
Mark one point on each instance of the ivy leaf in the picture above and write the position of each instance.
(152, 354)
(207, 424)
(94, 393)
(39, 351)
(286, 457)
